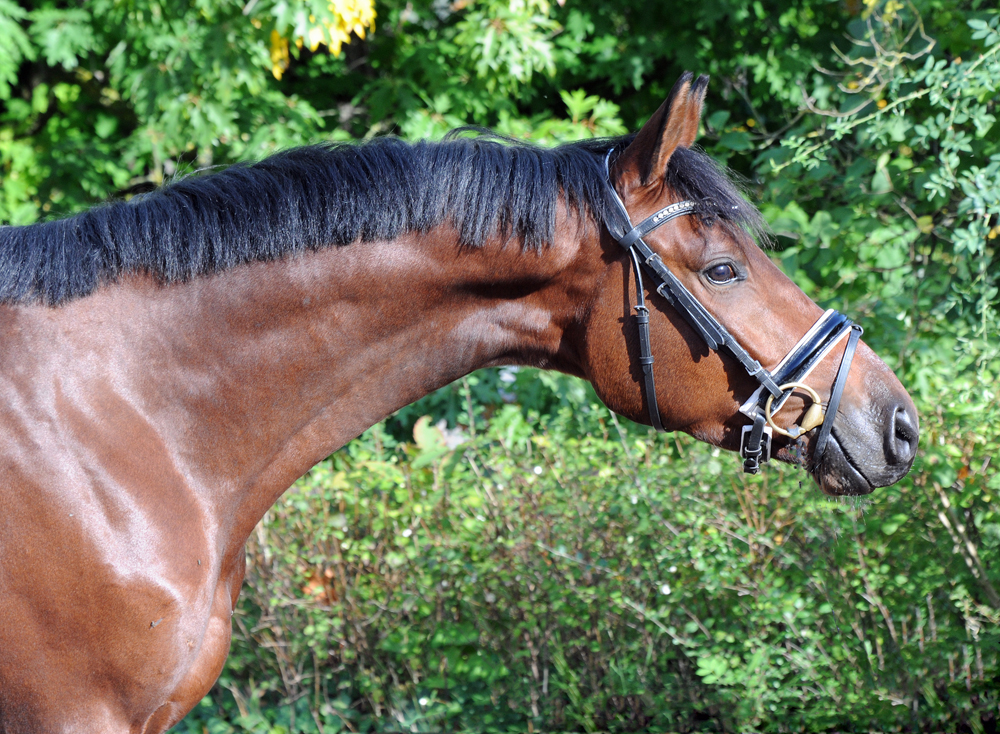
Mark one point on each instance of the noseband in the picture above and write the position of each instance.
(775, 387)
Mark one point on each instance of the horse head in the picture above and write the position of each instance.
(696, 224)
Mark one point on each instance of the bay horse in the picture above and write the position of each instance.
(171, 364)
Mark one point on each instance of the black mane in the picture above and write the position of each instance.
(312, 197)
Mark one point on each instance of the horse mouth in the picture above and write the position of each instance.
(837, 474)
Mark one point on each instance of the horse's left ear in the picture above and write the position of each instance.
(673, 126)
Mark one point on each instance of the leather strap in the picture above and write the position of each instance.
(810, 351)
(752, 449)
(812, 347)
(653, 221)
(837, 392)
(645, 348)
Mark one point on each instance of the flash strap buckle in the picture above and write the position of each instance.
(754, 456)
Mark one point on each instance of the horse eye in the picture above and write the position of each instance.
(722, 273)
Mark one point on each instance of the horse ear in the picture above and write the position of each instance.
(674, 125)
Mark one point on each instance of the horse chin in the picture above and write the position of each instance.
(837, 474)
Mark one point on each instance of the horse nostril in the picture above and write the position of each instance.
(903, 441)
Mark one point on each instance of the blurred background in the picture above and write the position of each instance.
(507, 555)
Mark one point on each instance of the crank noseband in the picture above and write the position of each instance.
(775, 388)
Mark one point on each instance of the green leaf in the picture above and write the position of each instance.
(14, 45)
(736, 140)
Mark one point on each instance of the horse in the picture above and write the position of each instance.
(172, 363)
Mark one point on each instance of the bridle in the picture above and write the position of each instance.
(775, 387)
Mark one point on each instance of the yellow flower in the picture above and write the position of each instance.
(349, 16)
(279, 54)
(315, 36)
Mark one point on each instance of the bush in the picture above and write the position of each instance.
(536, 577)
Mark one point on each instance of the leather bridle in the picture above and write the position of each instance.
(775, 387)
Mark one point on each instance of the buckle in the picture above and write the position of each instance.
(752, 459)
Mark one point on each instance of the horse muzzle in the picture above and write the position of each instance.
(870, 446)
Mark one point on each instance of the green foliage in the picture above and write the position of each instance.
(157, 88)
(902, 194)
(14, 45)
(579, 575)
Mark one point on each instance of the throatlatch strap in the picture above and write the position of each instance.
(837, 392)
(645, 348)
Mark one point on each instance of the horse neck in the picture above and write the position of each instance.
(257, 373)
